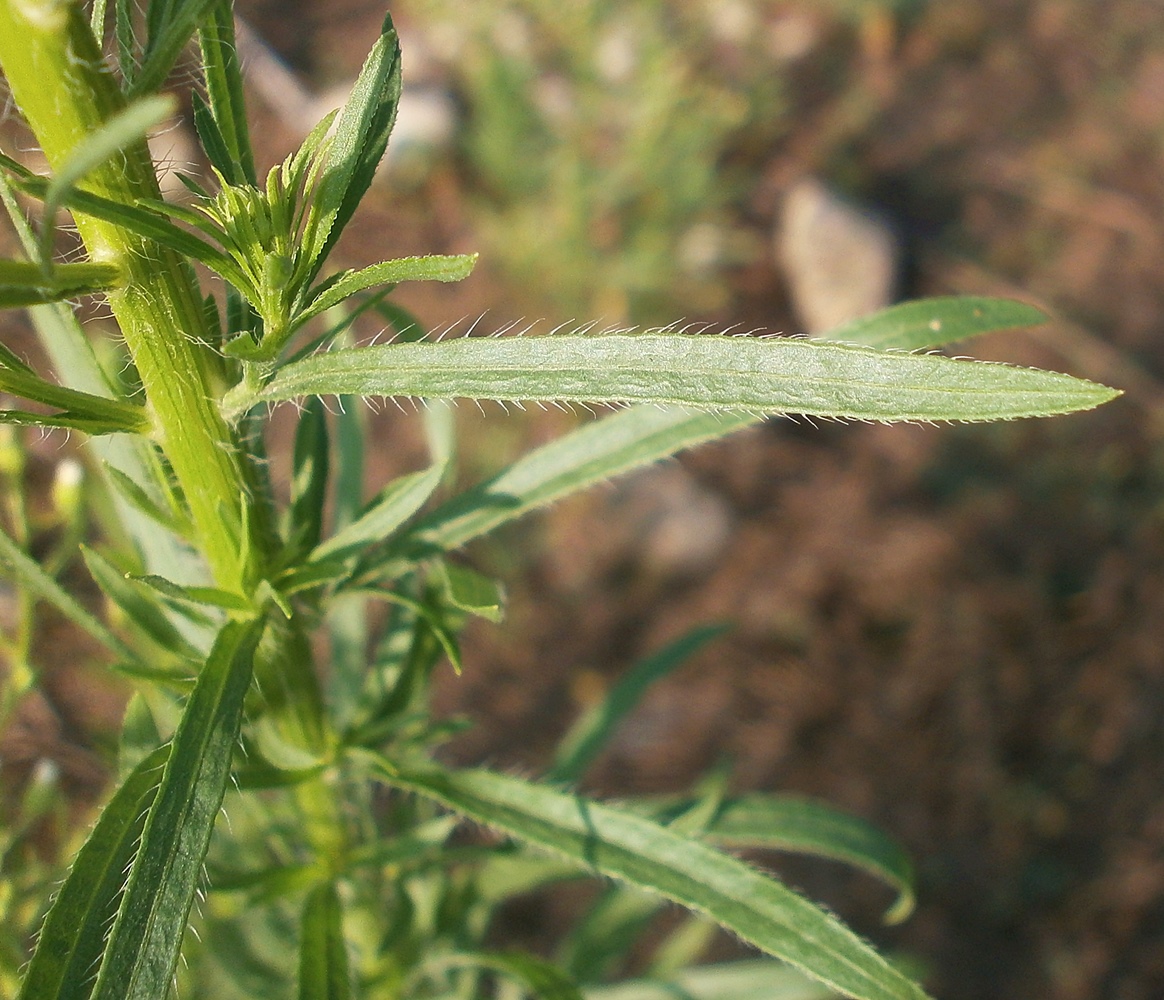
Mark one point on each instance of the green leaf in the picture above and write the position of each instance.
(309, 480)
(30, 575)
(127, 56)
(594, 453)
(467, 590)
(143, 945)
(93, 414)
(792, 823)
(431, 613)
(536, 976)
(139, 604)
(210, 597)
(123, 130)
(212, 140)
(146, 219)
(361, 136)
(170, 24)
(323, 958)
(224, 87)
(926, 323)
(630, 848)
(164, 512)
(97, 19)
(72, 940)
(348, 283)
(396, 504)
(805, 826)
(586, 738)
(755, 979)
(23, 283)
(774, 376)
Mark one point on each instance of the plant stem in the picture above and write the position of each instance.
(65, 90)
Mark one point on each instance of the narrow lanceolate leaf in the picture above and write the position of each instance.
(23, 283)
(145, 219)
(138, 603)
(29, 574)
(792, 823)
(706, 372)
(170, 25)
(470, 591)
(125, 129)
(396, 503)
(586, 738)
(594, 453)
(361, 136)
(389, 272)
(537, 977)
(70, 944)
(220, 66)
(96, 414)
(925, 323)
(323, 959)
(143, 945)
(755, 979)
(630, 848)
(309, 476)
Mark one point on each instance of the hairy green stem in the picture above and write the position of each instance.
(63, 87)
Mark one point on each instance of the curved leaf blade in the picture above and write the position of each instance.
(791, 823)
(926, 323)
(538, 977)
(128, 127)
(592, 454)
(804, 826)
(145, 219)
(772, 376)
(438, 267)
(630, 848)
(70, 944)
(31, 575)
(143, 945)
(751, 979)
(586, 738)
(79, 409)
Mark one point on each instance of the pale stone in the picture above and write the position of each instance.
(840, 260)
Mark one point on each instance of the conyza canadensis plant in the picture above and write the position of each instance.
(342, 870)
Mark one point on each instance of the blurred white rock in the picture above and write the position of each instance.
(840, 260)
(679, 526)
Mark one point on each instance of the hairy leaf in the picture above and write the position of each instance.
(794, 823)
(224, 88)
(706, 372)
(144, 942)
(72, 940)
(348, 283)
(630, 848)
(925, 323)
(361, 136)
